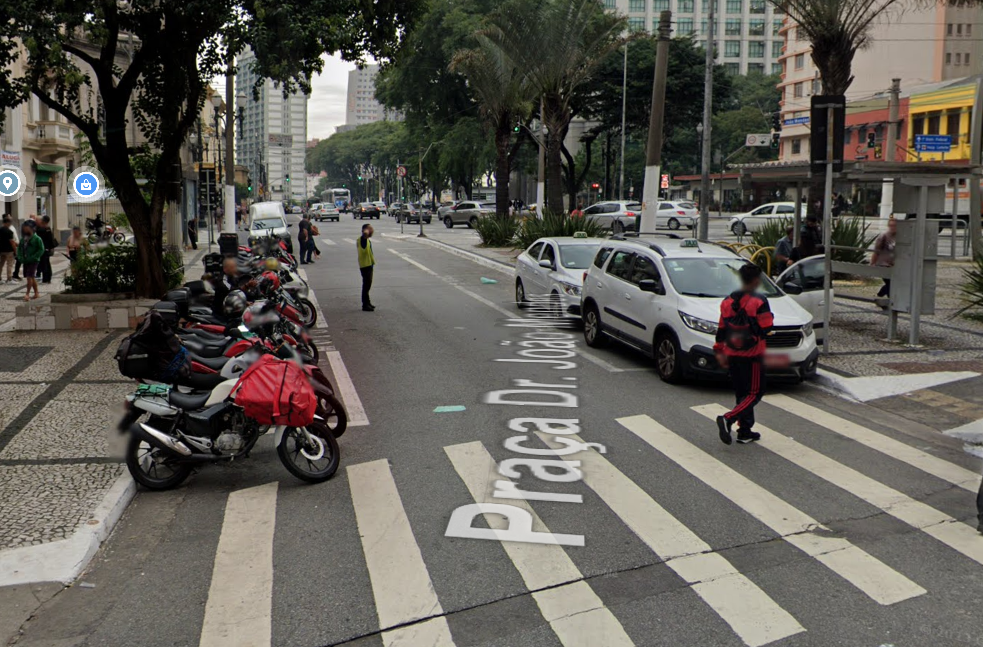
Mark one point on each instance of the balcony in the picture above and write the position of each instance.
(51, 138)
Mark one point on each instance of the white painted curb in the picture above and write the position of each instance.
(63, 561)
(865, 389)
(484, 261)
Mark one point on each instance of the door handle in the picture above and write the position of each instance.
(627, 296)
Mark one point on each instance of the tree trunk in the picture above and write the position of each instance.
(570, 176)
(557, 120)
(503, 140)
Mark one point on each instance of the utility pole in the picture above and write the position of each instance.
(653, 151)
(890, 147)
(229, 221)
(624, 104)
(541, 182)
(703, 231)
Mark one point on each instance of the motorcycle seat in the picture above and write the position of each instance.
(201, 381)
(214, 363)
(203, 335)
(202, 348)
(187, 401)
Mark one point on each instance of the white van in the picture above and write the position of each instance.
(266, 218)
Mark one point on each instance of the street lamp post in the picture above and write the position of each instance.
(216, 100)
(420, 215)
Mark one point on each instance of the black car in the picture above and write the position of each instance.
(411, 212)
(366, 210)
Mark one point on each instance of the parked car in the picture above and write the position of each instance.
(674, 214)
(467, 213)
(409, 212)
(618, 216)
(804, 282)
(662, 296)
(365, 210)
(326, 211)
(552, 271)
(743, 223)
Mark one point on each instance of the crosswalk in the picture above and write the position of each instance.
(735, 600)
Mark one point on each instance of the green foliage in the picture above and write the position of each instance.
(118, 221)
(770, 232)
(113, 269)
(498, 231)
(553, 224)
(851, 232)
(972, 288)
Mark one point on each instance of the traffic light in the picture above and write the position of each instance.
(871, 140)
(287, 179)
(595, 186)
(776, 122)
(517, 127)
(249, 185)
(359, 178)
(775, 140)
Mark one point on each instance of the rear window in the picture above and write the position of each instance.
(487, 205)
(602, 255)
(688, 205)
(634, 206)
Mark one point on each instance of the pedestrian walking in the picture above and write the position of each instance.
(883, 255)
(366, 264)
(305, 240)
(48, 239)
(193, 232)
(75, 244)
(8, 247)
(30, 251)
(745, 321)
(783, 250)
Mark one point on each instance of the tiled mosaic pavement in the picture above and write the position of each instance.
(61, 397)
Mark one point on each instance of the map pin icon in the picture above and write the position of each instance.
(7, 181)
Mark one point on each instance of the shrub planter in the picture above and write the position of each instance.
(92, 315)
(68, 297)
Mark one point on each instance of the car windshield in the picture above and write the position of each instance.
(711, 277)
(577, 257)
(268, 223)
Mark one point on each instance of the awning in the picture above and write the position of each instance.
(43, 172)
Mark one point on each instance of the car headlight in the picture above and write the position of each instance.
(807, 329)
(572, 290)
(699, 325)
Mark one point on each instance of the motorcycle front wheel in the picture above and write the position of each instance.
(313, 459)
(151, 468)
(308, 312)
(119, 238)
(333, 413)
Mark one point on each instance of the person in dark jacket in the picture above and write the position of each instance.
(48, 238)
(745, 321)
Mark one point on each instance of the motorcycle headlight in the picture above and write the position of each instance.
(699, 325)
(572, 290)
(807, 329)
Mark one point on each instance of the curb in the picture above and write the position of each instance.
(484, 261)
(63, 560)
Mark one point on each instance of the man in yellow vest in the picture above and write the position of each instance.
(366, 261)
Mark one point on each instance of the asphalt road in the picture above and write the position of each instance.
(826, 533)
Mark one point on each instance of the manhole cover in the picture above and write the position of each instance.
(15, 359)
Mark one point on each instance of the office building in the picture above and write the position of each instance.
(362, 106)
(272, 140)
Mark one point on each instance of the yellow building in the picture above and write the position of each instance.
(941, 109)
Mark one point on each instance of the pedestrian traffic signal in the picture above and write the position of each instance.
(287, 179)
(776, 121)
(871, 140)
(775, 140)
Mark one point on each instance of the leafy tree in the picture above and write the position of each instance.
(755, 97)
(156, 58)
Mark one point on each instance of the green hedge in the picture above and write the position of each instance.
(848, 231)
(114, 269)
(972, 288)
(495, 231)
(552, 225)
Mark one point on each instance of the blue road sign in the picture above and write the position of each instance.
(795, 122)
(933, 143)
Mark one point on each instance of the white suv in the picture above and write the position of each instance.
(662, 296)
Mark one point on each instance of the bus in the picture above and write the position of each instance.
(340, 198)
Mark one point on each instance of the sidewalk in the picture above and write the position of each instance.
(12, 294)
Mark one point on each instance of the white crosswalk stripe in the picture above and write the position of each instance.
(575, 612)
(951, 532)
(937, 467)
(749, 611)
(879, 581)
(328, 241)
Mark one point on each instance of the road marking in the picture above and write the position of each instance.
(607, 366)
(750, 612)
(430, 633)
(950, 472)
(951, 532)
(328, 241)
(879, 581)
(239, 609)
(400, 581)
(542, 566)
(346, 388)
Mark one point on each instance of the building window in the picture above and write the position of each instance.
(800, 35)
(815, 86)
(732, 49)
(969, 29)
(610, 4)
(734, 6)
(686, 6)
(959, 59)
(684, 26)
(776, 68)
(933, 124)
(776, 48)
(636, 6)
(756, 49)
(952, 125)
(918, 125)
(800, 61)
(776, 26)
(797, 90)
(756, 68)
(757, 6)
(732, 27)
(636, 24)
(796, 146)
(756, 27)
(948, 58)
(948, 29)
(966, 58)
(959, 29)
(704, 27)
(732, 68)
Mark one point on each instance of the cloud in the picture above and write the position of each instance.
(329, 94)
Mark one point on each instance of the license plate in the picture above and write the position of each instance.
(777, 361)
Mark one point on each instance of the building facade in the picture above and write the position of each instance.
(746, 31)
(272, 138)
(362, 106)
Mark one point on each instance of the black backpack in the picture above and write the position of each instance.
(741, 332)
(153, 352)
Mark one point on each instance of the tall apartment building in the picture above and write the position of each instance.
(746, 31)
(362, 107)
(272, 140)
(917, 45)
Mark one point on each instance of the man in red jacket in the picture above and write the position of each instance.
(745, 321)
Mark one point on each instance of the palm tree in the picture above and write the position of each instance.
(504, 97)
(559, 44)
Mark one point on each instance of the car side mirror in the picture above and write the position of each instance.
(791, 287)
(545, 264)
(651, 285)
